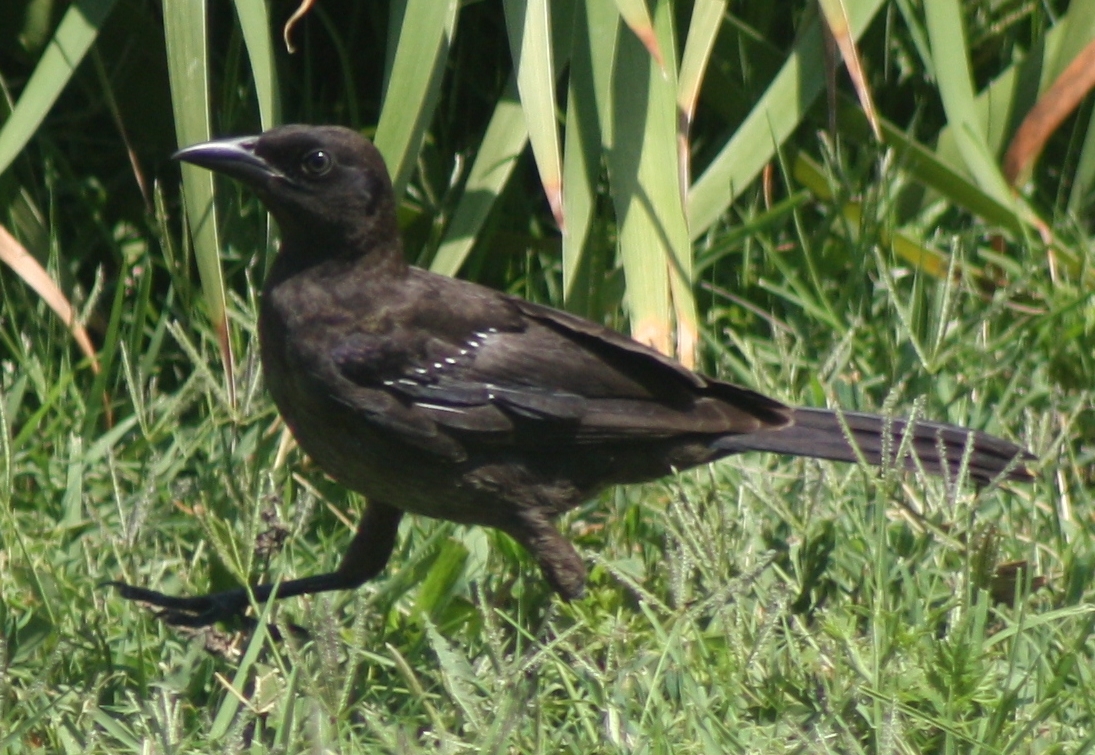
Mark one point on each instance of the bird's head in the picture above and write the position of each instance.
(326, 186)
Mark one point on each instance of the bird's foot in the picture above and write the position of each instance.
(197, 611)
(201, 610)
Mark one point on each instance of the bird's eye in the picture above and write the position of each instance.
(316, 163)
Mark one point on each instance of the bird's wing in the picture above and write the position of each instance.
(499, 368)
(663, 398)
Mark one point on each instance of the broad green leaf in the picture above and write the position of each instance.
(1000, 105)
(528, 23)
(187, 66)
(588, 122)
(1014, 91)
(1054, 105)
(447, 570)
(679, 262)
(702, 30)
(78, 29)
(637, 17)
(946, 33)
(772, 120)
(460, 678)
(421, 38)
(1079, 29)
(1084, 178)
(653, 236)
(503, 143)
(1076, 30)
(255, 25)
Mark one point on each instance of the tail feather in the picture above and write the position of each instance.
(825, 434)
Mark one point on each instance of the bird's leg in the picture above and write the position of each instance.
(365, 558)
(560, 563)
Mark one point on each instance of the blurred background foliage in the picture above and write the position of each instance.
(860, 202)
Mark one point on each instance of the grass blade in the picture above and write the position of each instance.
(529, 25)
(772, 120)
(1049, 112)
(637, 17)
(702, 30)
(422, 46)
(836, 16)
(187, 65)
(15, 256)
(588, 122)
(255, 25)
(653, 237)
(503, 143)
(946, 34)
(79, 28)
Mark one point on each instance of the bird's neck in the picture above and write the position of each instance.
(335, 258)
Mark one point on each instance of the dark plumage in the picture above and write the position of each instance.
(444, 398)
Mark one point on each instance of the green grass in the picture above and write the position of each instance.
(761, 605)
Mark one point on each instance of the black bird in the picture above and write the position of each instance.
(444, 398)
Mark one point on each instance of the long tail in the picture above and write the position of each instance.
(825, 434)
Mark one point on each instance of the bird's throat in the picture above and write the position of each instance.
(334, 259)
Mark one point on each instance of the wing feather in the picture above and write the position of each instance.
(508, 368)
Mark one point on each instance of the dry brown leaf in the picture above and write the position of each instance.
(836, 18)
(26, 267)
(1046, 116)
(299, 13)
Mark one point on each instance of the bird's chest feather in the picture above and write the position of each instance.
(310, 333)
(303, 328)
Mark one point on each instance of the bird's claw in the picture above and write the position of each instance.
(198, 611)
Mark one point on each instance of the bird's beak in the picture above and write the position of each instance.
(235, 158)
